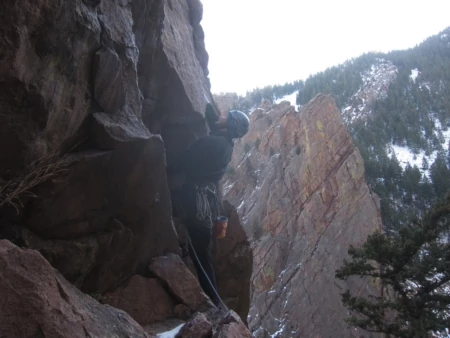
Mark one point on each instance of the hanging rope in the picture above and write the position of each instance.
(204, 212)
(222, 304)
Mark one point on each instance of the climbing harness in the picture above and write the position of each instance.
(204, 211)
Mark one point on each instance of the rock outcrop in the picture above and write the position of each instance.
(96, 98)
(38, 302)
(79, 76)
(300, 188)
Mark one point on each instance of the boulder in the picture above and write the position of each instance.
(231, 326)
(197, 327)
(142, 298)
(30, 288)
(180, 281)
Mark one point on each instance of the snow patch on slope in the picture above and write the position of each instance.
(406, 156)
(414, 73)
(291, 98)
(170, 334)
(375, 86)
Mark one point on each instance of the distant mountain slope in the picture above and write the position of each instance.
(397, 107)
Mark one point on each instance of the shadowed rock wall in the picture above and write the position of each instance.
(95, 80)
(96, 97)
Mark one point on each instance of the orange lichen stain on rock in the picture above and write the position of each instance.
(268, 278)
(306, 142)
(265, 280)
(319, 125)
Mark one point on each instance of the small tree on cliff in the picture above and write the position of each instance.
(412, 268)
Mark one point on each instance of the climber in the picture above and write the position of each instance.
(194, 186)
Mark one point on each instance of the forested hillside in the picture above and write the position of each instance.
(409, 108)
(394, 104)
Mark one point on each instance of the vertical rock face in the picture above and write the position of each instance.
(96, 80)
(299, 185)
(233, 262)
(96, 96)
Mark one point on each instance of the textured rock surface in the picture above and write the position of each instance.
(299, 184)
(197, 327)
(99, 79)
(111, 91)
(231, 326)
(144, 299)
(180, 281)
(30, 288)
(113, 205)
(233, 262)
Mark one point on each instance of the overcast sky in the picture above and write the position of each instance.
(254, 43)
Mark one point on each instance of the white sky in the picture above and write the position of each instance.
(254, 43)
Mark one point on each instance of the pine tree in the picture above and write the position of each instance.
(425, 165)
(440, 175)
(413, 268)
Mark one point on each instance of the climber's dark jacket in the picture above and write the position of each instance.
(204, 163)
(206, 160)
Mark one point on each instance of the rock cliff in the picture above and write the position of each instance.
(96, 97)
(300, 188)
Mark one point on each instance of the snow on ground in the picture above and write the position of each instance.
(425, 85)
(251, 110)
(240, 206)
(292, 98)
(443, 335)
(405, 155)
(280, 331)
(170, 334)
(414, 73)
(375, 85)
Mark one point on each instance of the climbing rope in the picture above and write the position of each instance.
(206, 275)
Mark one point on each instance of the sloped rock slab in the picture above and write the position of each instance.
(38, 302)
(142, 298)
(180, 281)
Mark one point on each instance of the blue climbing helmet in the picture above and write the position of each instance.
(237, 124)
